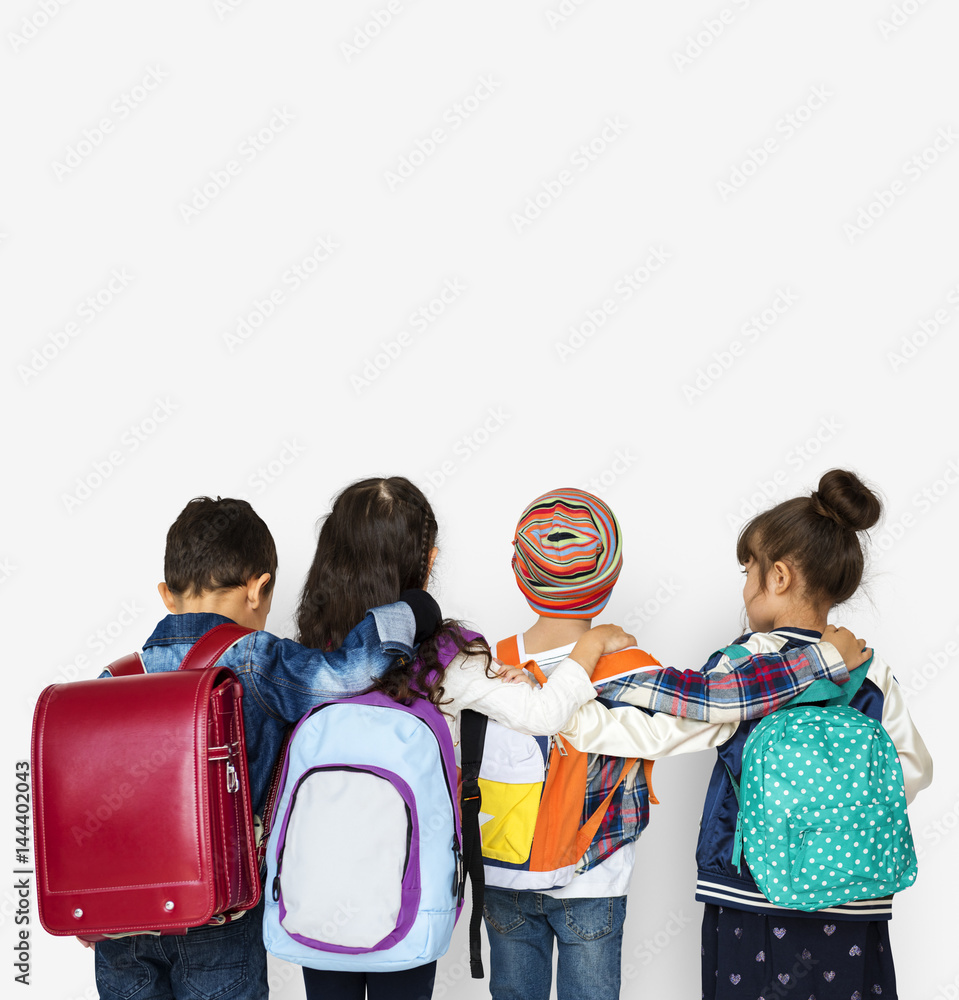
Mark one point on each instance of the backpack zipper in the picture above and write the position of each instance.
(292, 802)
(459, 887)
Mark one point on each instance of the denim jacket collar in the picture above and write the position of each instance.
(175, 629)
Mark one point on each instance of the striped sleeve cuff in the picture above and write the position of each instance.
(827, 662)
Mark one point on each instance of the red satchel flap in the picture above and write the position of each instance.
(121, 772)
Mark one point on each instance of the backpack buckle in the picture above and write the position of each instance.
(227, 753)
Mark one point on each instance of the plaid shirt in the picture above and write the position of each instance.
(730, 687)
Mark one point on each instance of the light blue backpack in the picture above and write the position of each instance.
(365, 866)
(822, 807)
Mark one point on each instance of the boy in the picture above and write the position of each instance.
(567, 558)
(220, 566)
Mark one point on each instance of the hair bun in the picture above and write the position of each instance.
(845, 498)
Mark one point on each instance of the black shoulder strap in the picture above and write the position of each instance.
(472, 738)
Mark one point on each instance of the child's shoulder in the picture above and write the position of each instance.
(460, 647)
(773, 641)
(751, 643)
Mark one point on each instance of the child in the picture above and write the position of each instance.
(567, 558)
(801, 558)
(220, 566)
(379, 538)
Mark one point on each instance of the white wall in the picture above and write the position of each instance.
(781, 167)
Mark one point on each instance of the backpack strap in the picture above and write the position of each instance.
(588, 830)
(266, 821)
(823, 691)
(212, 645)
(203, 653)
(736, 859)
(507, 650)
(126, 666)
(472, 738)
(648, 772)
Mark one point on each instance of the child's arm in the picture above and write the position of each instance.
(915, 759)
(630, 732)
(738, 682)
(533, 711)
(287, 679)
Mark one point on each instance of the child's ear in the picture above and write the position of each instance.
(254, 590)
(166, 595)
(430, 559)
(782, 578)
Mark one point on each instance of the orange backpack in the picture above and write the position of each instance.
(537, 825)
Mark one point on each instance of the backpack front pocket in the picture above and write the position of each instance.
(511, 781)
(846, 846)
(508, 835)
(348, 864)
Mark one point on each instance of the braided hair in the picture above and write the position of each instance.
(375, 543)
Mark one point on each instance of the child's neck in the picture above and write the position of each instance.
(801, 616)
(548, 633)
(229, 603)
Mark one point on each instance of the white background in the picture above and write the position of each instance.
(154, 394)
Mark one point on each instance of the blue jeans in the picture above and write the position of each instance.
(208, 963)
(589, 940)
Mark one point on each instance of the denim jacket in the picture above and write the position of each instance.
(281, 679)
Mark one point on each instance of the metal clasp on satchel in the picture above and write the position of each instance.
(226, 753)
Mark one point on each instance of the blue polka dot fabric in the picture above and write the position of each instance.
(822, 815)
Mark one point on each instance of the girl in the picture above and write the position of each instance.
(801, 558)
(378, 540)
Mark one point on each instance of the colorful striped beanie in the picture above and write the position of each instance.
(568, 552)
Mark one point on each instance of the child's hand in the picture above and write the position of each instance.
(613, 638)
(514, 675)
(86, 944)
(598, 642)
(853, 651)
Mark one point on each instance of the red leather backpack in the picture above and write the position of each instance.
(143, 819)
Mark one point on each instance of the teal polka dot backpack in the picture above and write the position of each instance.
(822, 806)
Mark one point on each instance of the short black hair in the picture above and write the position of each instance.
(216, 545)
